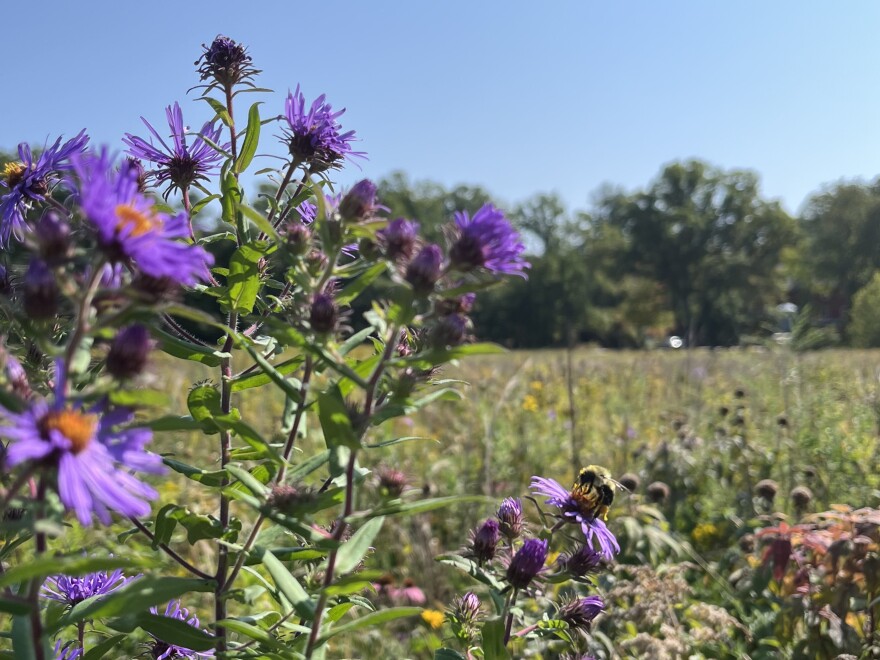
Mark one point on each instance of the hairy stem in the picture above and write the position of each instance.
(34, 592)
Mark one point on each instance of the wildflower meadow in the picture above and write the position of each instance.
(265, 426)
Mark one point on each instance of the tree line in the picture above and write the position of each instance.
(697, 253)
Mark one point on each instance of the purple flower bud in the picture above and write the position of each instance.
(450, 330)
(16, 377)
(424, 271)
(226, 61)
(40, 291)
(527, 563)
(140, 174)
(583, 561)
(359, 202)
(391, 481)
(53, 236)
(510, 518)
(466, 609)
(323, 313)
(129, 352)
(299, 238)
(152, 290)
(485, 541)
(580, 612)
(399, 238)
(5, 285)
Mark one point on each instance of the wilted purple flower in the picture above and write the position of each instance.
(572, 511)
(399, 238)
(527, 563)
(583, 561)
(31, 180)
(485, 541)
(180, 164)
(162, 650)
(67, 650)
(359, 202)
(129, 352)
(72, 590)
(425, 269)
(314, 136)
(130, 227)
(487, 241)
(510, 518)
(580, 612)
(92, 455)
(226, 61)
(40, 291)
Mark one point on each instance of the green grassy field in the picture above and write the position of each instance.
(709, 424)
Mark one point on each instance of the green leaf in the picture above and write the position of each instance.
(261, 222)
(258, 634)
(448, 654)
(494, 647)
(259, 379)
(11, 606)
(248, 480)
(163, 528)
(204, 405)
(174, 423)
(243, 282)
(75, 565)
(274, 375)
(289, 586)
(357, 286)
(137, 595)
(175, 631)
(185, 350)
(98, 651)
(251, 139)
(353, 551)
(218, 108)
(140, 398)
(371, 619)
(202, 203)
(209, 478)
(334, 420)
(471, 568)
(22, 639)
(231, 198)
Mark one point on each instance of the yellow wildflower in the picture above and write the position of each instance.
(434, 618)
(530, 403)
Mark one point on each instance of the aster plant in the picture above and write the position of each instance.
(262, 549)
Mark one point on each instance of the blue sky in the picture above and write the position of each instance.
(520, 97)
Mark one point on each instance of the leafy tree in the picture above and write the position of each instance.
(712, 242)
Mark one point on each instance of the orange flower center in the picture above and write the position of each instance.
(75, 426)
(139, 222)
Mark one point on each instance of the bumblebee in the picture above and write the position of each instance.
(593, 490)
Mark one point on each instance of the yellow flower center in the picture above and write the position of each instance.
(75, 426)
(13, 172)
(139, 222)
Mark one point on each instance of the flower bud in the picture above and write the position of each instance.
(801, 496)
(153, 290)
(450, 331)
(658, 492)
(766, 489)
(391, 481)
(226, 61)
(579, 613)
(299, 238)
(582, 562)
(40, 291)
(424, 271)
(129, 352)
(485, 541)
(510, 518)
(16, 377)
(358, 203)
(399, 238)
(53, 236)
(527, 563)
(323, 314)
(630, 481)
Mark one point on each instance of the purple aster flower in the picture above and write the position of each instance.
(580, 612)
(450, 330)
(510, 518)
(162, 650)
(67, 650)
(425, 269)
(399, 238)
(307, 212)
(226, 61)
(484, 541)
(573, 511)
(487, 241)
(72, 590)
(130, 227)
(359, 203)
(180, 165)
(314, 136)
(92, 455)
(30, 180)
(527, 563)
